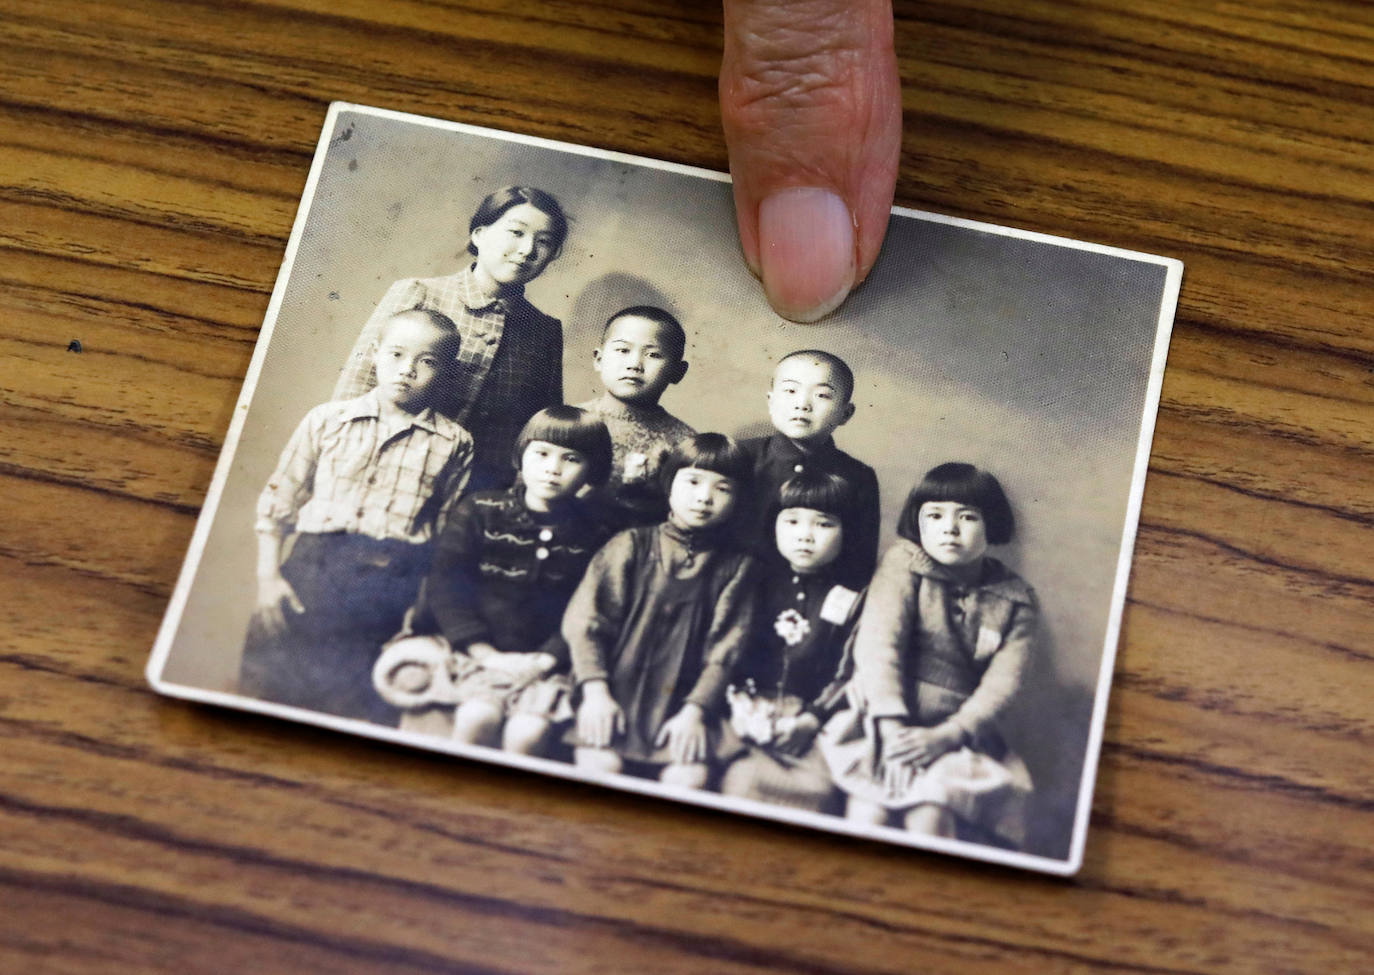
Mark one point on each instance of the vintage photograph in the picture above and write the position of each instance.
(525, 470)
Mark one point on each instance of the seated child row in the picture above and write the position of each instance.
(680, 649)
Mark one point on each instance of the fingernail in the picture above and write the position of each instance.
(806, 252)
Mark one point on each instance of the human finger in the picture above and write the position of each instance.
(811, 107)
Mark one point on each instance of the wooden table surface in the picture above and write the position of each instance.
(151, 157)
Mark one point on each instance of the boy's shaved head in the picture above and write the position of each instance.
(839, 369)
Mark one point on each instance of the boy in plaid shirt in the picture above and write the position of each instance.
(358, 492)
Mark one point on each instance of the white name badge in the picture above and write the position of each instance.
(839, 602)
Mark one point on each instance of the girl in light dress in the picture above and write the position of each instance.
(659, 620)
(940, 654)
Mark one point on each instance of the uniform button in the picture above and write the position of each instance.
(798, 468)
(801, 596)
(541, 553)
(361, 512)
(546, 535)
(372, 480)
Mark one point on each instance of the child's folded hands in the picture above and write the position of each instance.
(907, 751)
(919, 746)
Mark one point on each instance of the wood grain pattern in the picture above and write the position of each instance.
(151, 157)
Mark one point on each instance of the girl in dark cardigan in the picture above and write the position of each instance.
(940, 653)
(788, 681)
(659, 620)
(505, 566)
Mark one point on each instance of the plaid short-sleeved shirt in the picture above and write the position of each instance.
(346, 470)
(510, 362)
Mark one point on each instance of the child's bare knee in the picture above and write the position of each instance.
(862, 811)
(477, 723)
(692, 776)
(525, 734)
(932, 820)
(738, 780)
(598, 760)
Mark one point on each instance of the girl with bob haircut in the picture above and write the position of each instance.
(659, 620)
(505, 566)
(967, 485)
(788, 681)
(510, 363)
(575, 429)
(939, 656)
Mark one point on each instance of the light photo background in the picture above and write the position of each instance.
(1028, 358)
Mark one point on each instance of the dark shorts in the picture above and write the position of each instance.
(355, 591)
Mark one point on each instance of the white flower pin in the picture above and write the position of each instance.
(791, 626)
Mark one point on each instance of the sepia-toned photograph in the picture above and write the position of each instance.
(525, 470)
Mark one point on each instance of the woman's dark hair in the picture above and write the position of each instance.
(711, 452)
(572, 429)
(963, 484)
(490, 210)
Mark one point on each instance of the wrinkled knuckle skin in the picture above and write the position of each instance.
(792, 67)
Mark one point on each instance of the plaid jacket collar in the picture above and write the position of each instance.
(368, 407)
(476, 300)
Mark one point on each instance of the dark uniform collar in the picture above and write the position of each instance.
(784, 448)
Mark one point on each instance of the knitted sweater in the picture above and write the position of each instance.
(641, 437)
(503, 574)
